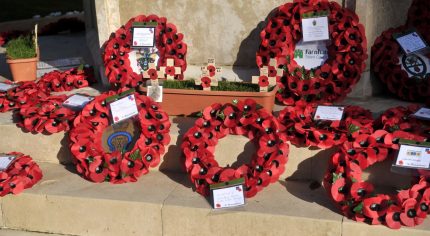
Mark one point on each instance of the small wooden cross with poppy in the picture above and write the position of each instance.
(152, 73)
(210, 75)
(267, 77)
(170, 70)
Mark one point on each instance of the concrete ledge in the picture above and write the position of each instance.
(164, 204)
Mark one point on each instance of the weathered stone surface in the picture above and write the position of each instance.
(226, 30)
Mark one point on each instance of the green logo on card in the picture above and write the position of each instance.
(298, 53)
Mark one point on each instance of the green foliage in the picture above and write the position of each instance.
(222, 86)
(336, 177)
(21, 47)
(135, 155)
(358, 208)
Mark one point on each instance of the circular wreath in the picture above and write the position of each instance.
(93, 163)
(419, 14)
(387, 67)
(356, 198)
(302, 130)
(243, 118)
(21, 174)
(347, 52)
(401, 119)
(47, 116)
(168, 41)
(29, 93)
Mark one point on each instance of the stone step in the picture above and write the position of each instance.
(11, 232)
(163, 203)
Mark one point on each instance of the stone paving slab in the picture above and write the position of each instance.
(165, 204)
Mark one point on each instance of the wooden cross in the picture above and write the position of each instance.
(211, 70)
(151, 67)
(170, 70)
(210, 75)
(273, 70)
(263, 80)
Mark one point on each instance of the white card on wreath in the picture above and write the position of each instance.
(143, 36)
(333, 113)
(228, 197)
(311, 54)
(5, 87)
(5, 161)
(78, 101)
(413, 157)
(315, 29)
(423, 113)
(155, 92)
(123, 108)
(411, 42)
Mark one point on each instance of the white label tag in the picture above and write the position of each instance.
(329, 113)
(315, 29)
(413, 157)
(423, 113)
(77, 101)
(411, 42)
(123, 109)
(155, 92)
(5, 161)
(5, 87)
(143, 36)
(415, 64)
(311, 54)
(228, 197)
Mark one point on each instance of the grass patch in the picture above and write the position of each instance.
(21, 47)
(222, 86)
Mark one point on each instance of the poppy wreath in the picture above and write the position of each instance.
(168, 41)
(356, 198)
(47, 116)
(241, 118)
(302, 130)
(387, 67)
(29, 93)
(94, 164)
(401, 119)
(419, 14)
(347, 53)
(21, 174)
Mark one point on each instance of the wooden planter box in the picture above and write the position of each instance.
(186, 102)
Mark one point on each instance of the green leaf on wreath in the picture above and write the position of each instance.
(358, 208)
(221, 115)
(107, 178)
(199, 114)
(336, 177)
(258, 107)
(235, 101)
(394, 128)
(353, 128)
(354, 180)
(123, 174)
(135, 155)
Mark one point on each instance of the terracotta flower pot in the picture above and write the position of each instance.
(187, 102)
(23, 69)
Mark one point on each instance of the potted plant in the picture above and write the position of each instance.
(22, 57)
(186, 98)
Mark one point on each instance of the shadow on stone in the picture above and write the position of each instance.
(315, 191)
(64, 155)
(245, 64)
(172, 161)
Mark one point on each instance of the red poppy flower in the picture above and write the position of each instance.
(359, 190)
(212, 70)
(263, 81)
(392, 218)
(206, 82)
(408, 216)
(375, 207)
